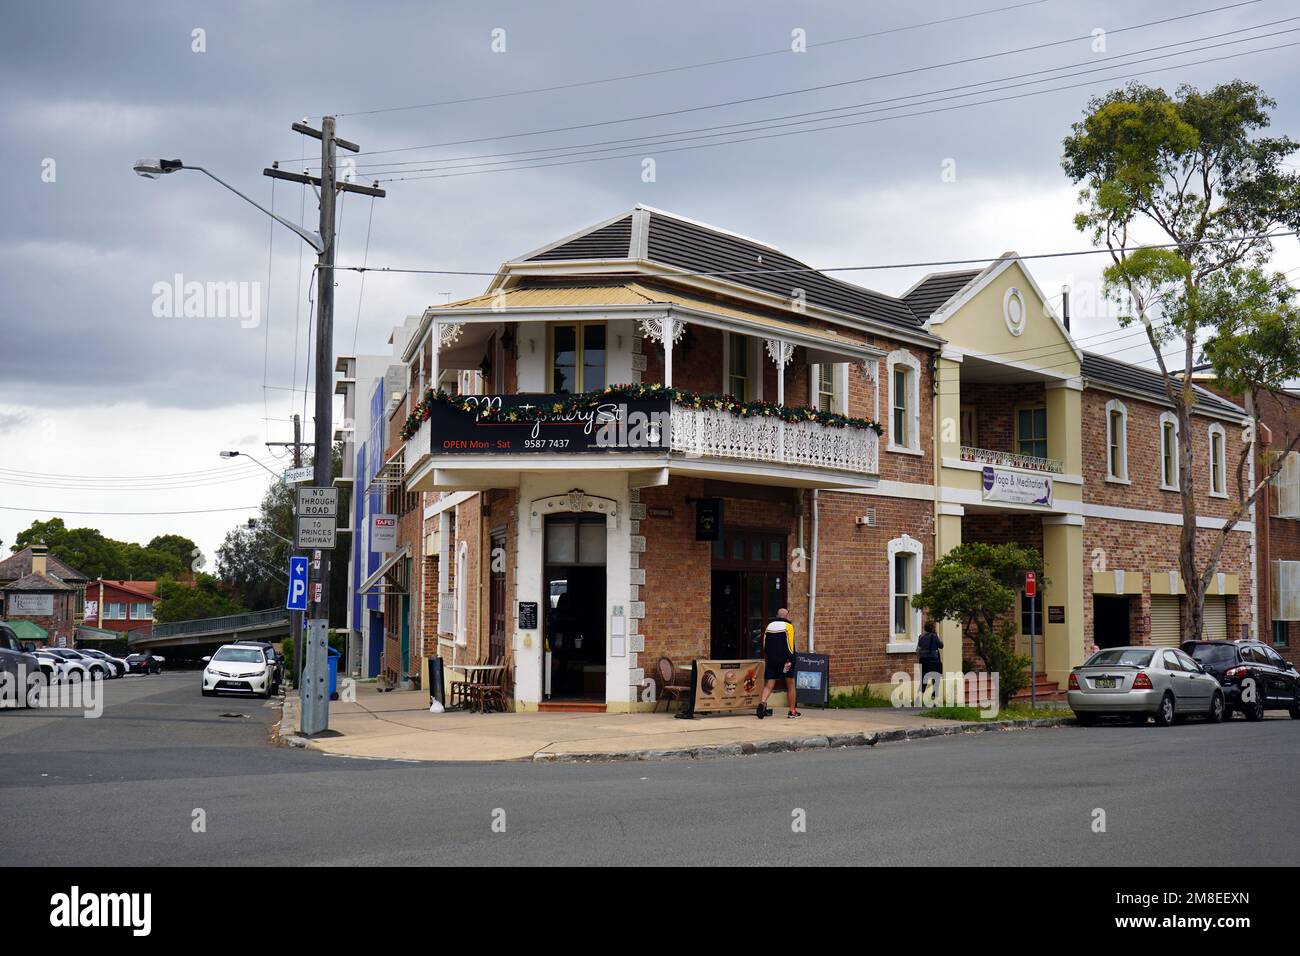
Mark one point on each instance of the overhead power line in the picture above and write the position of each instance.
(852, 109)
(818, 88)
(866, 122)
(692, 66)
(807, 270)
(64, 511)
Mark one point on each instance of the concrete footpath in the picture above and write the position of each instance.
(398, 725)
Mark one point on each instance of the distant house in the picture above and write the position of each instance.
(36, 586)
(126, 607)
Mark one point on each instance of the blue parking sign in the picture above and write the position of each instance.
(297, 597)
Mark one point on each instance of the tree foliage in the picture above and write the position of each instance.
(182, 602)
(96, 556)
(977, 585)
(1193, 172)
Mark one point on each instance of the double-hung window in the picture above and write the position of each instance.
(1031, 432)
(578, 357)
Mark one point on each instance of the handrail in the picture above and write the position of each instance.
(227, 622)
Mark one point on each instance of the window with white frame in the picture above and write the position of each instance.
(1286, 487)
(904, 374)
(462, 593)
(1116, 441)
(1218, 462)
(141, 611)
(1285, 592)
(1168, 451)
(115, 610)
(904, 582)
(829, 387)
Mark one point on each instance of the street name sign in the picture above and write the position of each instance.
(293, 476)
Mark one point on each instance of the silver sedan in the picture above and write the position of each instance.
(1142, 682)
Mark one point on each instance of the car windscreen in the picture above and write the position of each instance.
(239, 655)
(1120, 655)
(1209, 655)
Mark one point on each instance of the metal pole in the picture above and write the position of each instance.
(295, 617)
(314, 695)
(1033, 651)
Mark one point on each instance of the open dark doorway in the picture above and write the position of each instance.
(574, 582)
(1110, 621)
(749, 586)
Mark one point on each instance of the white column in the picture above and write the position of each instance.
(668, 330)
(435, 346)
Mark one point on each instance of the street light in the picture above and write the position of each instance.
(153, 168)
(237, 454)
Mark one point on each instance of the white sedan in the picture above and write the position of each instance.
(237, 669)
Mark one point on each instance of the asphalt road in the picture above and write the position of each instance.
(123, 789)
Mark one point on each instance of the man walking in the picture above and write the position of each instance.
(928, 647)
(778, 663)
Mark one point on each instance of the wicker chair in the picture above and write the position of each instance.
(669, 690)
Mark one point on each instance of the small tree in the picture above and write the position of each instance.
(976, 584)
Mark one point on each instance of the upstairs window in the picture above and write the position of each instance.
(825, 398)
(904, 376)
(578, 357)
(1218, 462)
(1286, 487)
(1116, 441)
(1168, 452)
(1031, 432)
(740, 367)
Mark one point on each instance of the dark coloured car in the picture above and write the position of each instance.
(23, 673)
(1254, 677)
(143, 664)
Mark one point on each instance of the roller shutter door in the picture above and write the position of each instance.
(1214, 619)
(1164, 620)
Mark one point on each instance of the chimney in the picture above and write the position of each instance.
(1065, 306)
(39, 552)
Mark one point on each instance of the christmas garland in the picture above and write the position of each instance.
(588, 401)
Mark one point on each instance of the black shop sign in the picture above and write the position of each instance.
(618, 425)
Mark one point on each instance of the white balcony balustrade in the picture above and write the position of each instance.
(709, 433)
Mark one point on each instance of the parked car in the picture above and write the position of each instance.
(144, 663)
(94, 669)
(1142, 682)
(1238, 665)
(56, 669)
(23, 672)
(274, 657)
(237, 669)
(116, 664)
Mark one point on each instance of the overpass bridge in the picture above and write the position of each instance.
(195, 638)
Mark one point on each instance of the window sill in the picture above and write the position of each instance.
(1112, 480)
(903, 450)
(1174, 488)
(1219, 494)
(897, 647)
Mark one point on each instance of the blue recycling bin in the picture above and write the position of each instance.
(334, 672)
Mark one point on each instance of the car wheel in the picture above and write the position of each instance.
(1165, 713)
(1255, 709)
(1216, 708)
(1085, 720)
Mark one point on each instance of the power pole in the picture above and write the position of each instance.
(313, 691)
(295, 623)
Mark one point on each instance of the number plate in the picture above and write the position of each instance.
(1104, 682)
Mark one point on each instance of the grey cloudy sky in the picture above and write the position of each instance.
(92, 383)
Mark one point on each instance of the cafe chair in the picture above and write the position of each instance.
(668, 689)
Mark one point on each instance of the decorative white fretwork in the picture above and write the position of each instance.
(574, 502)
(779, 352)
(448, 332)
(655, 327)
(708, 433)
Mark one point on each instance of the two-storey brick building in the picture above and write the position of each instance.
(644, 438)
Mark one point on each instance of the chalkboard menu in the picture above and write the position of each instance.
(812, 678)
(708, 519)
(527, 615)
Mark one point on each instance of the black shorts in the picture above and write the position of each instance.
(775, 670)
